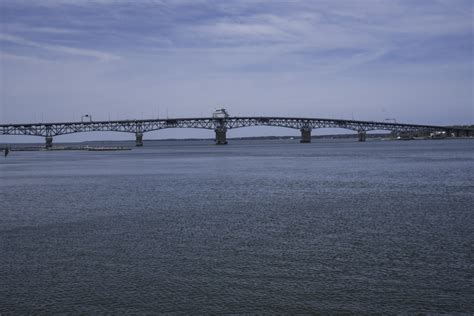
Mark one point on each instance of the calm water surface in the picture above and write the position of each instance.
(251, 227)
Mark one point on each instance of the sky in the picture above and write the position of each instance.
(369, 60)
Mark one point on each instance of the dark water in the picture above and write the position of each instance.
(252, 227)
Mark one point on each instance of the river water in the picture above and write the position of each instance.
(188, 227)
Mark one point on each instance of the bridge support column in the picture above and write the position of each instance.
(305, 135)
(49, 142)
(361, 136)
(139, 139)
(221, 136)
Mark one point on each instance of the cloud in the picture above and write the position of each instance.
(248, 31)
(59, 49)
(15, 27)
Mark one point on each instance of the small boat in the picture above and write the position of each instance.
(405, 137)
(438, 135)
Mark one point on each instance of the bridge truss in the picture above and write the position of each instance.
(219, 125)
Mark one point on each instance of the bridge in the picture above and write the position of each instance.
(220, 125)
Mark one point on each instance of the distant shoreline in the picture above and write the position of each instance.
(114, 145)
(336, 136)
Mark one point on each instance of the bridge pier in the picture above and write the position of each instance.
(49, 142)
(221, 136)
(362, 136)
(305, 135)
(139, 139)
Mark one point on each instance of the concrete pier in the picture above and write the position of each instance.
(362, 136)
(221, 137)
(305, 135)
(49, 142)
(139, 139)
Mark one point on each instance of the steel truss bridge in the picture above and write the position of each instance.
(220, 126)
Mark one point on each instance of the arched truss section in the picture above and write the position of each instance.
(143, 126)
(308, 123)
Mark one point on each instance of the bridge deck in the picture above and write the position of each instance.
(220, 126)
(145, 125)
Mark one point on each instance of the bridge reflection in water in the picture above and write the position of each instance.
(220, 126)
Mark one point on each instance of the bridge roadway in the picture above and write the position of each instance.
(220, 126)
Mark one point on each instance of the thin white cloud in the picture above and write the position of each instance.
(21, 58)
(257, 31)
(14, 27)
(59, 48)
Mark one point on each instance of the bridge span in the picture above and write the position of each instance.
(220, 127)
